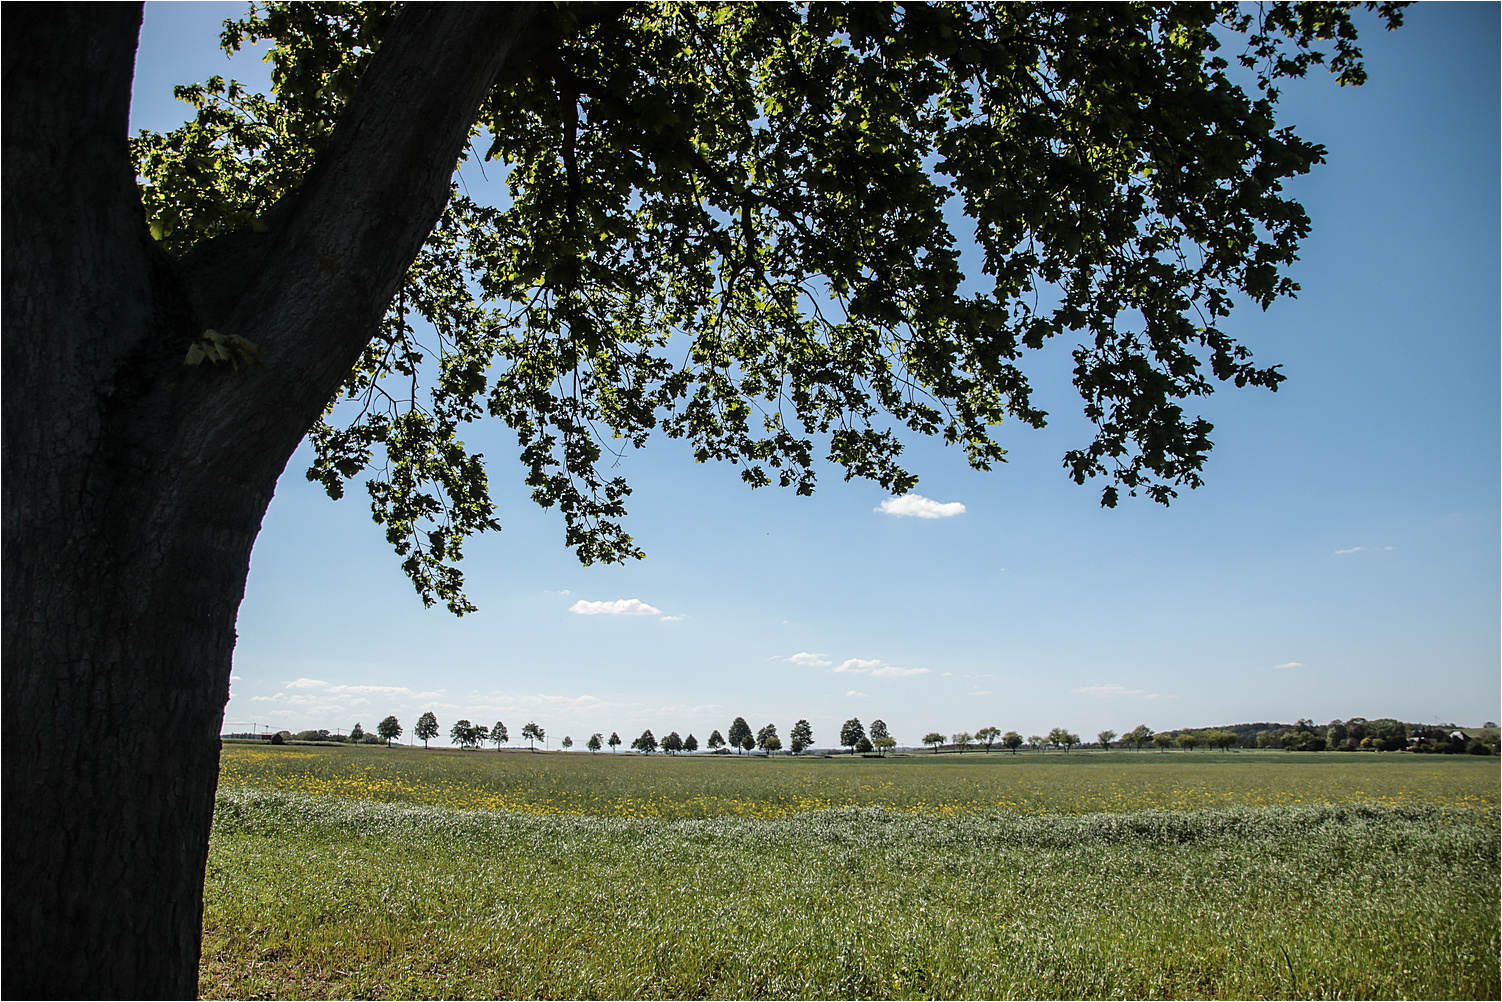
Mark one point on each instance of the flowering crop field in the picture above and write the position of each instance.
(712, 786)
(375, 873)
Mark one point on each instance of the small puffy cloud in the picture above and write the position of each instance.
(856, 695)
(1354, 549)
(877, 668)
(234, 678)
(1108, 691)
(1290, 664)
(982, 692)
(668, 619)
(918, 506)
(892, 671)
(307, 683)
(809, 660)
(561, 591)
(620, 607)
(1363, 549)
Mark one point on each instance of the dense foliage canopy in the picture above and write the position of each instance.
(743, 225)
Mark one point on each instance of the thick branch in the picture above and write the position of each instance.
(312, 291)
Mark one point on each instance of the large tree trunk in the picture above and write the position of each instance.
(134, 486)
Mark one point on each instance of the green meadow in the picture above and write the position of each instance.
(363, 872)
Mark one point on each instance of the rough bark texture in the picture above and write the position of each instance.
(134, 486)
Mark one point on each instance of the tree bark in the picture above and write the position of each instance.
(134, 486)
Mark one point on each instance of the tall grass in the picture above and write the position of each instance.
(323, 897)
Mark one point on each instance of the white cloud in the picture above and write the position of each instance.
(892, 671)
(983, 692)
(669, 619)
(306, 683)
(809, 660)
(1108, 691)
(234, 678)
(918, 506)
(620, 607)
(1364, 549)
(858, 695)
(1354, 549)
(1290, 664)
(563, 591)
(380, 690)
(876, 668)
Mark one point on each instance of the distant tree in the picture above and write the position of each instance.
(862, 746)
(748, 742)
(615, 740)
(568, 742)
(772, 744)
(960, 740)
(1070, 740)
(690, 744)
(594, 742)
(1387, 734)
(499, 735)
(851, 732)
(672, 744)
(1336, 733)
(987, 736)
(1057, 736)
(1188, 740)
(802, 737)
(1105, 738)
(1303, 739)
(769, 731)
(462, 733)
(1269, 738)
(1163, 740)
(389, 729)
(1011, 741)
(882, 744)
(715, 740)
(1139, 736)
(934, 738)
(427, 727)
(533, 734)
(1035, 742)
(1221, 740)
(356, 733)
(739, 732)
(878, 729)
(646, 744)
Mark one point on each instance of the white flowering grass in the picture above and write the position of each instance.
(324, 897)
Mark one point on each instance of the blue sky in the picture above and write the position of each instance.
(1341, 560)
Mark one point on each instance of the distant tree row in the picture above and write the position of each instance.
(1355, 734)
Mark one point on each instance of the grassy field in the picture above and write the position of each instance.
(363, 872)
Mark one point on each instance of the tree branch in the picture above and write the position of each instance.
(313, 289)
